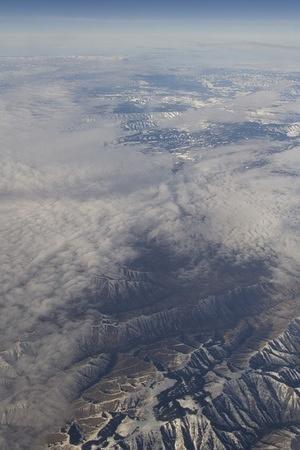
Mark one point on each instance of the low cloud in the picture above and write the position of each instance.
(73, 208)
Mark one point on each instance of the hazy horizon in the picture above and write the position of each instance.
(91, 27)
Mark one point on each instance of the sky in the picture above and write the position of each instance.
(155, 8)
(64, 27)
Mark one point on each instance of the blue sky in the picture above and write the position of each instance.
(90, 26)
(153, 8)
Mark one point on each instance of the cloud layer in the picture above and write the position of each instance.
(73, 207)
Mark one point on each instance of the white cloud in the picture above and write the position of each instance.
(72, 208)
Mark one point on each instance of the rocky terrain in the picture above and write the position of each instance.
(150, 242)
(221, 374)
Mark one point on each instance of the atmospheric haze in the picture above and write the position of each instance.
(149, 227)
